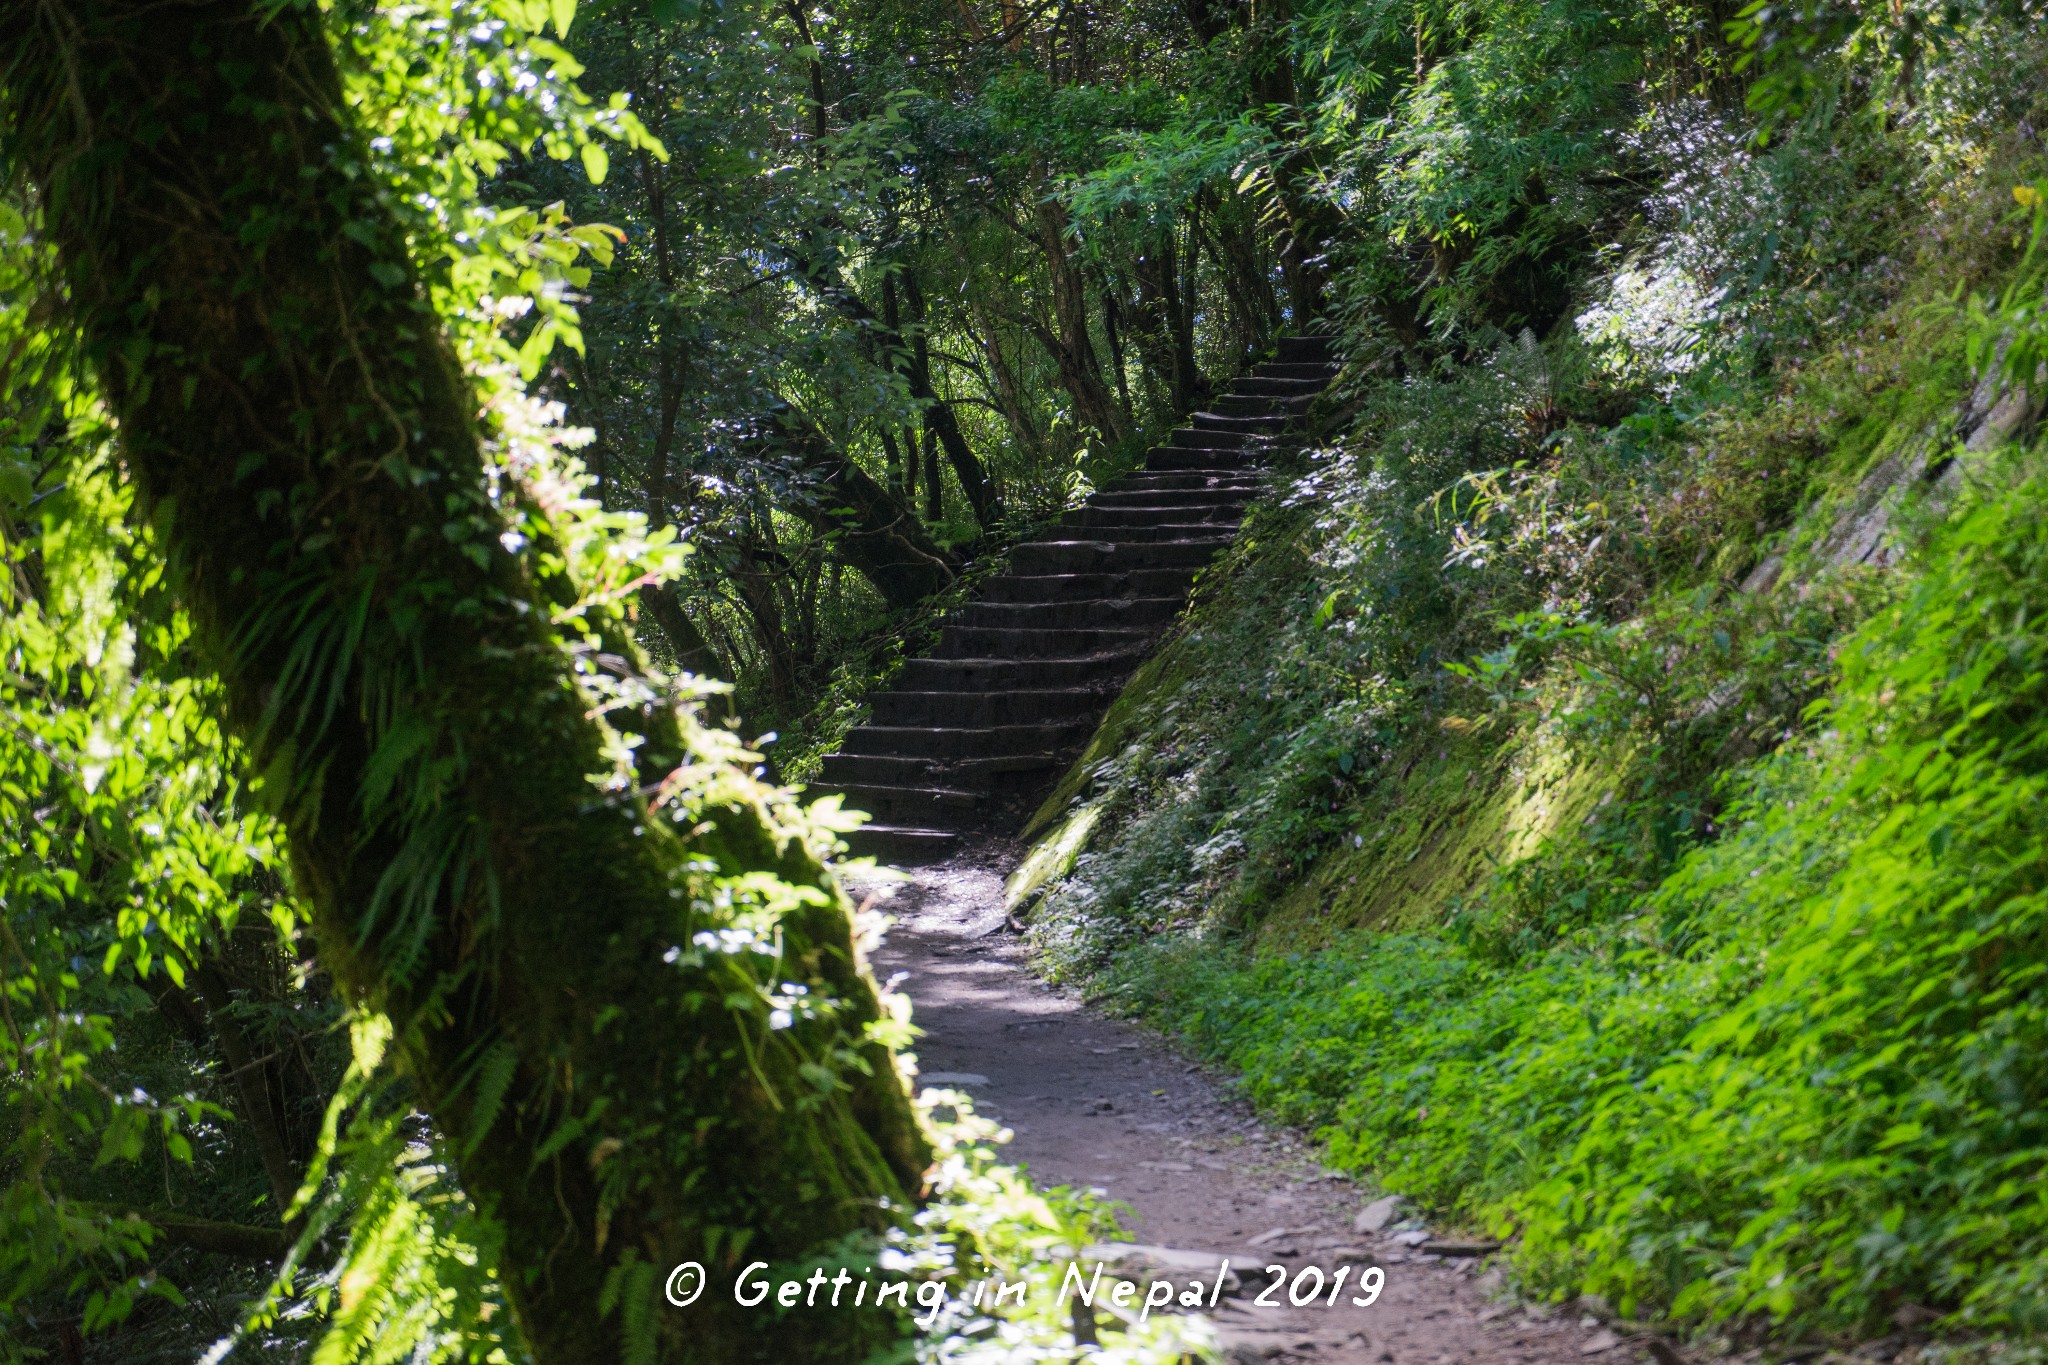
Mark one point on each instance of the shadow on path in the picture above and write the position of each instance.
(1095, 1102)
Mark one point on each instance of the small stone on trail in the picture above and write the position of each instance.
(1377, 1214)
(953, 1078)
(1413, 1238)
(1598, 1342)
(1144, 1263)
(1275, 1235)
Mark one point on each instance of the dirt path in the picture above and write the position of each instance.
(1095, 1102)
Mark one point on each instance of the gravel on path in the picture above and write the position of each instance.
(1096, 1102)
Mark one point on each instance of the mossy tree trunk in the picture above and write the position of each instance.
(307, 447)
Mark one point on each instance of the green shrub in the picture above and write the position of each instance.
(1805, 1079)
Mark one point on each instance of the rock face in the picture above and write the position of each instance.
(977, 732)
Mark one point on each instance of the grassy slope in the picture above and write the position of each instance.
(1697, 940)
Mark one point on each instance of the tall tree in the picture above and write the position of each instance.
(481, 869)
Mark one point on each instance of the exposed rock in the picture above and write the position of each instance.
(953, 1078)
(1376, 1215)
(1272, 1235)
(1764, 576)
(1144, 1264)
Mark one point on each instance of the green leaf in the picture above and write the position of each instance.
(564, 14)
(597, 163)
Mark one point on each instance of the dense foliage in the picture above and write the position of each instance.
(1631, 846)
(224, 1128)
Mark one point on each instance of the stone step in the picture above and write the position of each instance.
(1073, 587)
(909, 845)
(914, 806)
(1248, 480)
(1202, 438)
(1218, 493)
(1180, 501)
(1239, 405)
(1170, 459)
(1321, 371)
(964, 741)
(966, 737)
(1127, 524)
(1023, 642)
(1308, 350)
(1108, 556)
(1098, 614)
(1268, 426)
(998, 708)
(1277, 387)
(839, 771)
(998, 775)
(1100, 670)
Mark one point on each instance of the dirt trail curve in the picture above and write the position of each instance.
(1095, 1102)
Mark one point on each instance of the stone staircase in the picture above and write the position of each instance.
(972, 736)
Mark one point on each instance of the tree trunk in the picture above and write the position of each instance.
(1302, 221)
(693, 652)
(1229, 232)
(264, 1102)
(754, 575)
(872, 529)
(1166, 331)
(1113, 334)
(901, 358)
(892, 456)
(934, 478)
(1009, 392)
(304, 445)
(1070, 343)
(941, 421)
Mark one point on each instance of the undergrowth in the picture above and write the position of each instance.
(1801, 1079)
(1625, 837)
